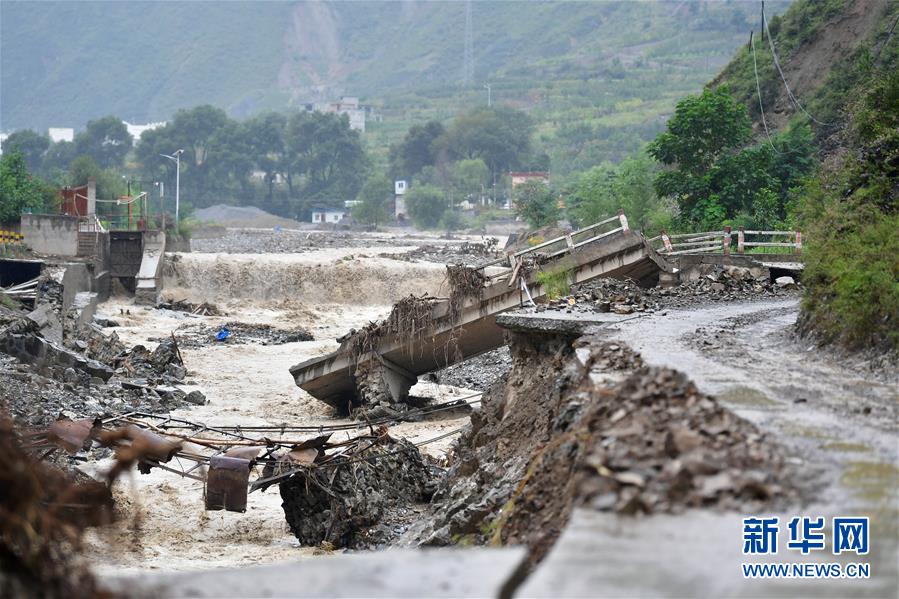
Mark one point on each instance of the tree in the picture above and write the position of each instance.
(20, 191)
(110, 184)
(469, 178)
(266, 137)
(451, 221)
(57, 159)
(31, 145)
(373, 198)
(713, 178)
(416, 151)
(105, 140)
(500, 136)
(535, 203)
(327, 154)
(426, 205)
(628, 186)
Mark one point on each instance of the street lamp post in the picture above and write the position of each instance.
(176, 156)
(489, 95)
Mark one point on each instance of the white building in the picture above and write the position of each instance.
(3, 137)
(137, 130)
(348, 105)
(322, 216)
(58, 134)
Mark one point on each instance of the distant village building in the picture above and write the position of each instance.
(399, 188)
(3, 137)
(322, 216)
(137, 130)
(348, 105)
(520, 178)
(258, 175)
(58, 134)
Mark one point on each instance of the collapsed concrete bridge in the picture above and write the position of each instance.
(385, 361)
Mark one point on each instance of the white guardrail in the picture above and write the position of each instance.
(713, 242)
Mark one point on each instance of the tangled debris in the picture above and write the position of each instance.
(361, 498)
(43, 513)
(464, 282)
(588, 424)
(407, 319)
(182, 305)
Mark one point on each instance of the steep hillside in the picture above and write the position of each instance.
(841, 61)
(586, 69)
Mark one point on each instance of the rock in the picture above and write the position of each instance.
(176, 372)
(622, 309)
(170, 393)
(196, 398)
(785, 282)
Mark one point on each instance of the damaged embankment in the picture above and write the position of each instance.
(586, 423)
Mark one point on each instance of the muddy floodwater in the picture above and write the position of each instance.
(163, 523)
(837, 421)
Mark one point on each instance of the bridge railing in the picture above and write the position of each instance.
(564, 243)
(722, 242)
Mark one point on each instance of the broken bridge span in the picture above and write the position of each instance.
(445, 331)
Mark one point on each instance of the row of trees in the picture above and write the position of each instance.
(702, 173)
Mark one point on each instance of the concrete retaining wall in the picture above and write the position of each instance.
(52, 234)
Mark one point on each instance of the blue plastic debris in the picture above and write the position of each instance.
(223, 334)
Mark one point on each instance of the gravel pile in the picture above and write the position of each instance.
(477, 373)
(588, 424)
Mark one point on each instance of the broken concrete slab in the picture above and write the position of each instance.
(606, 555)
(41, 352)
(394, 573)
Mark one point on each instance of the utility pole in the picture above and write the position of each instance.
(489, 95)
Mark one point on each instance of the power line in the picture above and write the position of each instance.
(758, 88)
(779, 70)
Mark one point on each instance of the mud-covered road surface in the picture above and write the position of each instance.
(836, 421)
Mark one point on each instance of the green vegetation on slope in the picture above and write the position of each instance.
(596, 77)
(849, 208)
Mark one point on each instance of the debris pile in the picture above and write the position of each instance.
(588, 424)
(476, 373)
(361, 497)
(240, 333)
(50, 365)
(468, 252)
(658, 444)
(196, 309)
(717, 284)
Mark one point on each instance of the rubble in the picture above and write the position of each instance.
(203, 335)
(477, 373)
(718, 284)
(360, 500)
(473, 253)
(588, 424)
